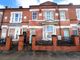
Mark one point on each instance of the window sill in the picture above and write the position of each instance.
(36, 20)
(15, 22)
(64, 20)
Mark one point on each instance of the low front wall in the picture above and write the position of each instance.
(21, 43)
(57, 48)
(54, 47)
(7, 46)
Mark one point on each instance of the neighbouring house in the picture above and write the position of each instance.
(44, 20)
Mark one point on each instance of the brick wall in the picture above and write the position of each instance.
(20, 43)
(7, 46)
(55, 47)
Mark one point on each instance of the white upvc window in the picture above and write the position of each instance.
(17, 33)
(78, 13)
(49, 15)
(75, 31)
(33, 31)
(66, 32)
(4, 32)
(11, 32)
(62, 15)
(34, 15)
(16, 17)
(14, 33)
(48, 31)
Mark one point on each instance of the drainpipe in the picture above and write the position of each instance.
(59, 36)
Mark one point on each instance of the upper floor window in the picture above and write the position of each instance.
(34, 15)
(48, 15)
(16, 17)
(78, 14)
(62, 15)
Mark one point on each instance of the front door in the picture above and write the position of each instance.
(25, 37)
(32, 32)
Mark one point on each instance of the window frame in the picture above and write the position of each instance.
(78, 14)
(49, 17)
(35, 15)
(13, 18)
(76, 29)
(66, 29)
(4, 32)
(61, 15)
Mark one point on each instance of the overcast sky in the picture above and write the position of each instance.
(27, 3)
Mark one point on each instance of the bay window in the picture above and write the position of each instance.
(48, 31)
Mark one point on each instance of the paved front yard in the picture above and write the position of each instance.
(30, 55)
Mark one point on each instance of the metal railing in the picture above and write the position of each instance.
(66, 41)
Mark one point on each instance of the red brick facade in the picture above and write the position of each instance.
(28, 24)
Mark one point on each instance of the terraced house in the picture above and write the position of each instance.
(43, 20)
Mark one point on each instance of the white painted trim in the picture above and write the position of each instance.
(15, 40)
(36, 20)
(34, 10)
(51, 21)
(78, 9)
(48, 9)
(73, 25)
(63, 9)
(25, 26)
(63, 26)
(4, 26)
(64, 20)
(14, 27)
(35, 27)
(17, 12)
